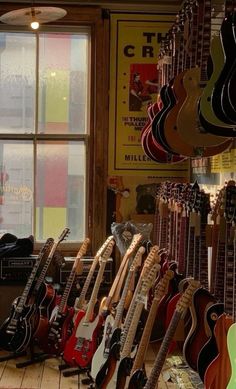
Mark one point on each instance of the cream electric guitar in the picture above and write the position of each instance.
(114, 293)
(137, 373)
(182, 305)
(80, 301)
(82, 344)
(115, 376)
(111, 322)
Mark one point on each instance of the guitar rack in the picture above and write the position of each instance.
(12, 355)
(77, 371)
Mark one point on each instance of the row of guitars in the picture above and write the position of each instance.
(195, 113)
(40, 317)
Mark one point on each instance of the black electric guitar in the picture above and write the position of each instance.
(16, 331)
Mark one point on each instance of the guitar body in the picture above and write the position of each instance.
(45, 302)
(218, 95)
(199, 332)
(231, 341)
(109, 368)
(102, 352)
(218, 372)
(231, 88)
(207, 115)
(82, 344)
(58, 331)
(137, 380)
(188, 125)
(209, 350)
(20, 328)
(124, 370)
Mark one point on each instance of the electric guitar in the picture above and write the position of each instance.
(137, 375)
(43, 293)
(218, 372)
(80, 301)
(16, 331)
(58, 328)
(113, 373)
(181, 306)
(111, 322)
(81, 345)
(114, 293)
(231, 339)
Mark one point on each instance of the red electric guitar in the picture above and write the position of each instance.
(82, 344)
(57, 329)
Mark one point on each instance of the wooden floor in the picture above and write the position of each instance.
(46, 375)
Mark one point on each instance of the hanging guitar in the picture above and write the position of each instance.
(81, 345)
(58, 328)
(16, 331)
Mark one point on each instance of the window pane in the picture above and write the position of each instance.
(60, 189)
(16, 187)
(17, 82)
(63, 83)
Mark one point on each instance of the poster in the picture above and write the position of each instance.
(135, 84)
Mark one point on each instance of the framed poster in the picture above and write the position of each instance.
(134, 83)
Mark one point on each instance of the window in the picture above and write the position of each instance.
(51, 154)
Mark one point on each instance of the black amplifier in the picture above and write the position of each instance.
(86, 262)
(16, 269)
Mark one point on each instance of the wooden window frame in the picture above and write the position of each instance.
(92, 17)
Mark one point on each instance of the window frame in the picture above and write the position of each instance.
(96, 138)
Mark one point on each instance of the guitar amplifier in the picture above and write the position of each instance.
(16, 269)
(64, 272)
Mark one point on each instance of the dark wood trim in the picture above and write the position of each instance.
(98, 139)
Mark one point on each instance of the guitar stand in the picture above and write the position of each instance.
(12, 356)
(34, 358)
(78, 371)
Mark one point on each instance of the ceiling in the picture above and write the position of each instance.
(129, 5)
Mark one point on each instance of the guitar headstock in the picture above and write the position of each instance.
(153, 256)
(186, 297)
(83, 248)
(137, 259)
(103, 247)
(107, 252)
(63, 235)
(137, 238)
(149, 279)
(163, 284)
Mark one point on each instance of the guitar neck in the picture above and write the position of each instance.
(94, 295)
(29, 283)
(120, 307)
(161, 356)
(130, 335)
(81, 299)
(43, 273)
(65, 296)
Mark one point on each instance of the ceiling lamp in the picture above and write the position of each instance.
(33, 16)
